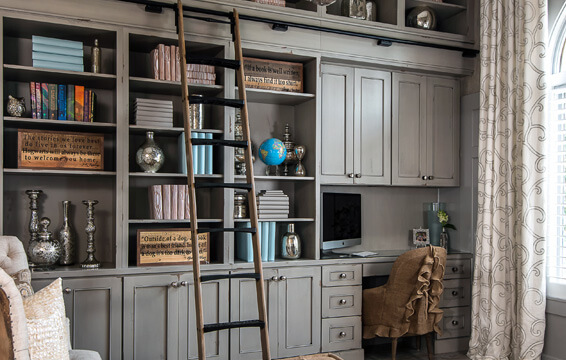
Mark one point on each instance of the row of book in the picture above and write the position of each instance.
(150, 112)
(166, 65)
(169, 202)
(272, 204)
(202, 154)
(62, 102)
(267, 234)
(60, 54)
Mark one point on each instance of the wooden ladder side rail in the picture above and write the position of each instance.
(191, 182)
(260, 291)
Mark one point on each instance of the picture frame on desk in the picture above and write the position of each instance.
(421, 237)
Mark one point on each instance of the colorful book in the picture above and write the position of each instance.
(62, 102)
(35, 39)
(79, 102)
(38, 102)
(71, 102)
(174, 201)
(44, 101)
(69, 59)
(271, 241)
(181, 193)
(201, 155)
(52, 94)
(86, 106)
(57, 65)
(166, 201)
(58, 50)
(208, 155)
(264, 237)
(32, 100)
(155, 202)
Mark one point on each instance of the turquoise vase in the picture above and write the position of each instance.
(434, 226)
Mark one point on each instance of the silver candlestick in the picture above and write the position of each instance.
(90, 262)
(300, 154)
(289, 145)
(33, 221)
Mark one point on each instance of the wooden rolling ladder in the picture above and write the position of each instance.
(236, 64)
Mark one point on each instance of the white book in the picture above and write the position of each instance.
(152, 106)
(166, 192)
(153, 102)
(154, 124)
(159, 114)
(153, 118)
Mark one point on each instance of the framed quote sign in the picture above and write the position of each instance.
(169, 247)
(41, 149)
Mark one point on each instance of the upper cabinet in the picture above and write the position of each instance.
(425, 131)
(355, 126)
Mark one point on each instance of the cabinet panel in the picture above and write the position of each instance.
(341, 333)
(341, 275)
(456, 293)
(341, 301)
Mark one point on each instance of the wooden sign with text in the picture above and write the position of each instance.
(169, 247)
(273, 75)
(41, 149)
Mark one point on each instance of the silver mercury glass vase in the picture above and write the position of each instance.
(150, 156)
(291, 244)
(67, 238)
(46, 251)
(90, 262)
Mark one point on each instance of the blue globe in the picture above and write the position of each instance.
(272, 151)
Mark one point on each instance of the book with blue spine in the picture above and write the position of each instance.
(58, 50)
(57, 65)
(62, 102)
(201, 155)
(244, 247)
(264, 236)
(35, 39)
(196, 150)
(68, 59)
(44, 101)
(271, 240)
(208, 155)
(52, 91)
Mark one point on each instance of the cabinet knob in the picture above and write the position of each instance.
(175, 284)
(342, 301)
(67, 290)
(358, 176)
(454, 293)
(454, 322)
(342, 276)
(351, 175)
(342, 334)
(283, 278)
(274, 278)
(183, 283)
(430, 177)
(424, 177)
(455, 269)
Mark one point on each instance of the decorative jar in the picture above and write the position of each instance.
(150, 156)
(45, 252)
(16, 106)
(290, 244)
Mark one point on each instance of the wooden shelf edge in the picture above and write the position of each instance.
(58, 172)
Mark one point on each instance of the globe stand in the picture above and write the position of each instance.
(273, 170)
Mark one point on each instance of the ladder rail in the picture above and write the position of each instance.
(191, 181)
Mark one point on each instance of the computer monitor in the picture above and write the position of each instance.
(341, 220)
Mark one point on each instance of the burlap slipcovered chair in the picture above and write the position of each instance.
(407, 305)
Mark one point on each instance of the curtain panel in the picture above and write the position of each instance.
(508, 293)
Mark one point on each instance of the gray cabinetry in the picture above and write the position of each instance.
(356, 126)
(425, 131)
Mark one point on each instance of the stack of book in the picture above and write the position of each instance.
(153, 113)
(169, 202)
(62, 102)
(272, 204)
(165, 63)
(267, 235)
(201, 74)
(271, 2)
(57, 54)
(202, 154)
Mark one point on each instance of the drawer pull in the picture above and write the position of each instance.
(342, 301)
(351, 175)
(183, 283)
(283, 278)
(274, 278)
(342, 334)
(455, 322)
(174, 284)
(454, 269)
(67, 291)
(342, 276)
(454, 293)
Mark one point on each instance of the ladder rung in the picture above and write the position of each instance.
(233, 325)
(213, 230)
(226, 63)
(230, 276)
(237, 103)
(220, 142)
(243, 186)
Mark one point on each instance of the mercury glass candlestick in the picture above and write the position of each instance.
(300, 154)
(90, 262)
(290, 146)
(33, 221)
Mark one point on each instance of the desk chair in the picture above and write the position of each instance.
(407, 305)
(15, 286)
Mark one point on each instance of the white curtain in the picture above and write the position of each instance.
(508, 294)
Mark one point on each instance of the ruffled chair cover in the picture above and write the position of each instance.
(408, 303)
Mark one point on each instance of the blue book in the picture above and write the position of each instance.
(244, 248)
(59, 50)
(201, 156)
(271, 241)
(57, 65)
(70, 59)
(62, 102)
(196, 149)
(264, 240)
(56, 42)
(208, 156)
(181, 158)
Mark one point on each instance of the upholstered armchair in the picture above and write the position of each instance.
(407, 305)
(32, 326)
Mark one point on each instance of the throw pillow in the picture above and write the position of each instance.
(23, 282)
(47, 329)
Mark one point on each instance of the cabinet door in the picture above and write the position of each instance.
(372, 127)
(299, 311)
(215, 310)
(443, 114)
(245, 343)
(151, 317)
(409, 129)
(337, 125)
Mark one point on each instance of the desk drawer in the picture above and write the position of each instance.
(456, 293)
(340, 275)
(341, 301)
(455, 323)
(457, 269)
(341, 333)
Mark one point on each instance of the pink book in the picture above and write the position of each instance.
(187, 205)
(154, 58)
(161, 57)
(174, 200)
(38, 99)
(166, 192)
(182, 193)
(167, 62)
(32, 100)
(155, 202)
(172, 62)
(177, 64)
